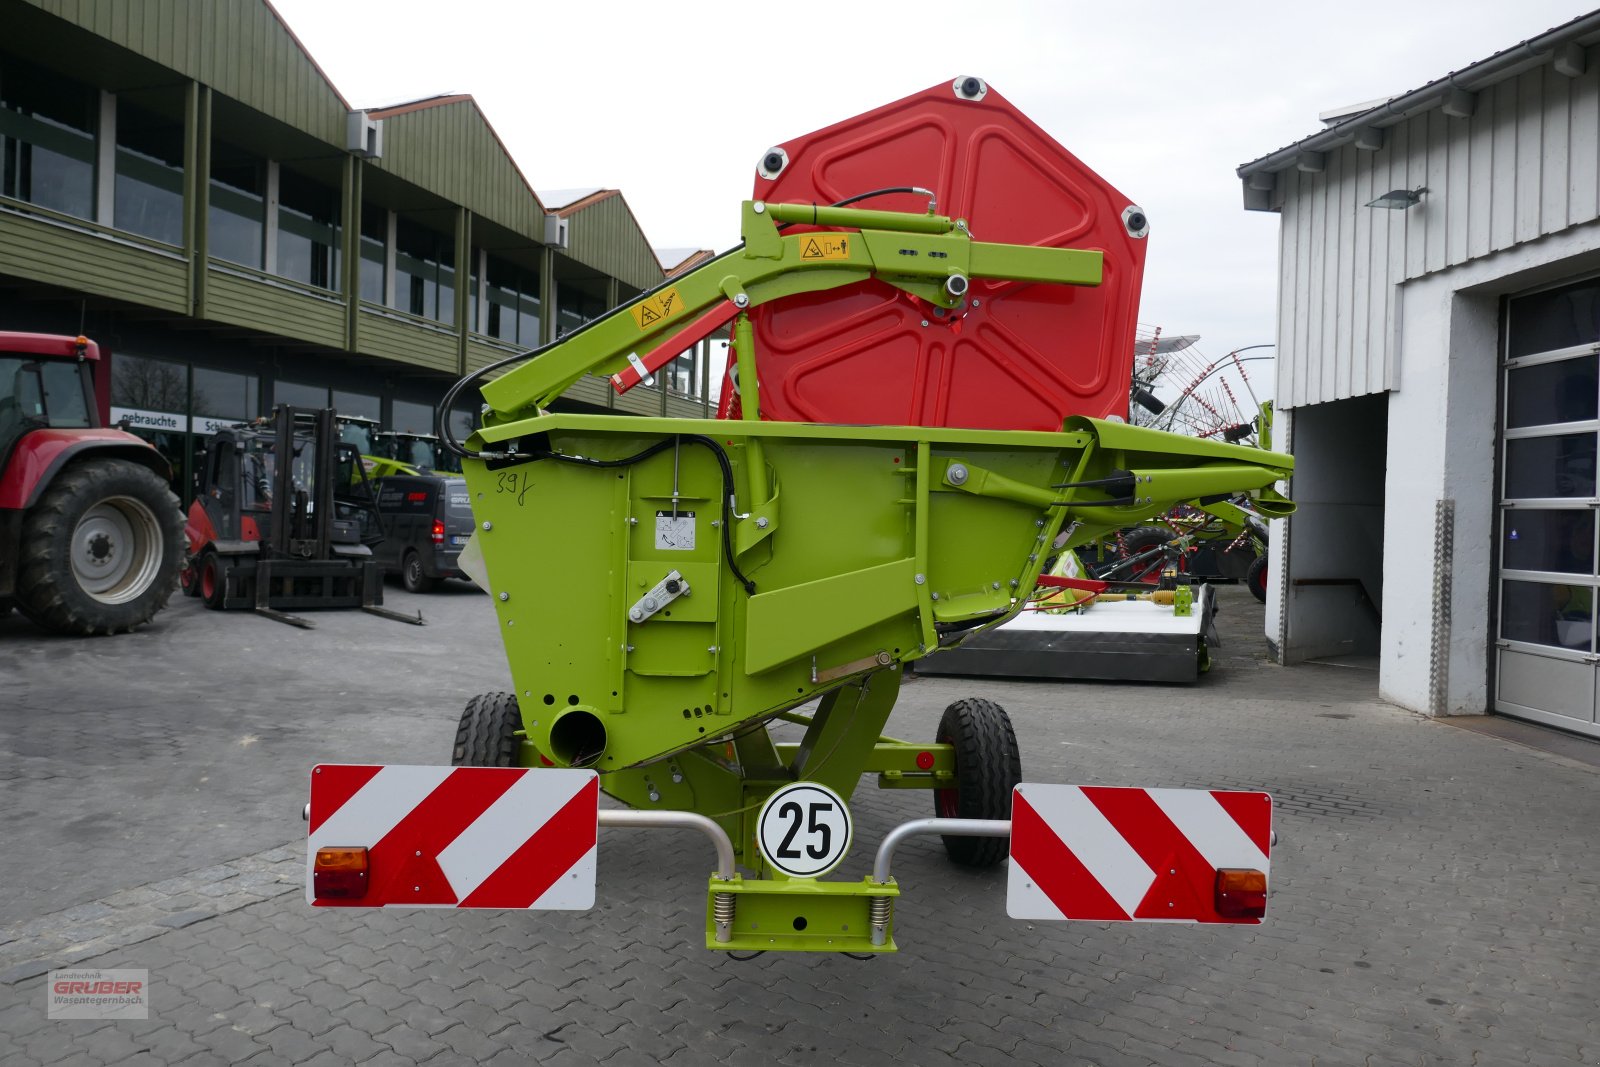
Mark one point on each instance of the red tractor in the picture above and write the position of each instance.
(91, 537)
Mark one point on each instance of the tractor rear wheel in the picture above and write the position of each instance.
(487, 734)
(1256, 578)
(988, 766)
(102, 549)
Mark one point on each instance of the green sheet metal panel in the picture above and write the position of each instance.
(449, 149)
(393, 338)
(47, 252)
(605, 235)
(238, 47)
(261, 305)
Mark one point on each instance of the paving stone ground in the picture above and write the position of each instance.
(1436, 891)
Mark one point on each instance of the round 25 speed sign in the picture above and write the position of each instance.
(804, 830)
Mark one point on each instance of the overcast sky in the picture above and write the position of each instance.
(673, 103)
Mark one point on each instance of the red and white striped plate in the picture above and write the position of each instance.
(1130, 855)
(460, 837)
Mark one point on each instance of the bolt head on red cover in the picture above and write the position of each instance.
(1019, 356)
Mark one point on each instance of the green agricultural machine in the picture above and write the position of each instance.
(919, 420)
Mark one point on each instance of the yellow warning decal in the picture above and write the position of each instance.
(825, 246)
(650, 313)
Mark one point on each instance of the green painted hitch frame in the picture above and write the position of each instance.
(666, 588)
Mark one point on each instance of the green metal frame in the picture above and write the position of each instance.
(865, 548)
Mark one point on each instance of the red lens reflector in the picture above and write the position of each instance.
(340, 872)
(925, 761)
(1241, 893)
(416, 498)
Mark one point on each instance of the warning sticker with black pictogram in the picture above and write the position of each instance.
(825, 246)
(650, 313)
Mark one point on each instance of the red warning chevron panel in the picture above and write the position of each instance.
(1132, 855)
(458, 837)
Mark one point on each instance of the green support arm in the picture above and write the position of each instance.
(929, 256)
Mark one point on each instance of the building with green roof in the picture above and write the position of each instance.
(180, 181)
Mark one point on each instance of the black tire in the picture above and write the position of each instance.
(189, 578)
(988, 767)
(102, 549)
(1256, 578)
(212, 582)
(486, 736)
(1142, 539)
(411, 577)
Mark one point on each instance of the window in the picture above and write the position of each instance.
(222, 398)
(412, 418)
(424, 271)
(355, 404)
(574, 307)
(47, 139)
(308, 231)
(513, 303)
(300, 396)
(149, 384)
(374, 241)
(238, 207)
(149, 179)
(683, 372)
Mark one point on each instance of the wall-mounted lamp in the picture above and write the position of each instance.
(1399, 199)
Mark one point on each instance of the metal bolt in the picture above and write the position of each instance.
(632, 521)
(743, 300)
(1038, 522)
(677, 775)
(655, 794)
(994, 585)
(761, 522)
(760, 207)
(1013, 583)
(505, 596)
(977, 303)
(920, 579)
(924, 322)
(716, 523)
(487, 525)
(957, 474)
(714, 649)
(935, 596)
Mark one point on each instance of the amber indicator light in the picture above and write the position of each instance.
(340, 873)
(1241, 893)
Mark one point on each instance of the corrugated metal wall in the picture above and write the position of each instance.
(238, 47)
(1525, 164)
(449, 149)
(605, 236)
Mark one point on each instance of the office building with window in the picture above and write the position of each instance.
(182, 183)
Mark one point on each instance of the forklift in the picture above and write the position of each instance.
(285, 520)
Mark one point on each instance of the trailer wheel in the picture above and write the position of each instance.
(487, 735)
(101, 550)
(987, 768)
(1256, 578)
(411, 576)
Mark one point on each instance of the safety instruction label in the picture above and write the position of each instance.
(653, 311)
(825, 246)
